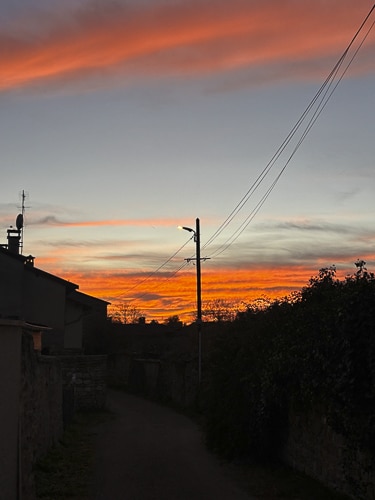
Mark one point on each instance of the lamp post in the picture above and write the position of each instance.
(196, 233)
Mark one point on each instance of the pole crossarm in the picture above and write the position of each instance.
(189, 259)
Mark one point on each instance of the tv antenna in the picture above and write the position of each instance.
(20, 222)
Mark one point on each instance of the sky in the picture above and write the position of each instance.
(122, 120)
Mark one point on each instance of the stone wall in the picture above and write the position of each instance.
(314, 448)
(40, 419)
(178, 381)
(169, 379)
(118, 369)
(52, 390)
(84, 382)
(35, 390)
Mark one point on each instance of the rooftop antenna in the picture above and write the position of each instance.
(20, 222)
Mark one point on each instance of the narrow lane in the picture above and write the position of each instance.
(149, 452)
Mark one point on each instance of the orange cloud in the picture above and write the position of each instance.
(162, 294)
(161, 297)
(190, 36)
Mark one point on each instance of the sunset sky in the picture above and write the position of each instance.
(124, 119)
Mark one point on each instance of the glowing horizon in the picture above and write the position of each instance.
(167, 294)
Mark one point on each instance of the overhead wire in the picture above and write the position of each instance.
(150, 275)
(267, 168)
(322, 96)
(170, 276)
(309, 126)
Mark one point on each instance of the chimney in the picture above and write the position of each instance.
(29, 261)
(14, 238)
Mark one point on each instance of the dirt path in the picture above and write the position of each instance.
(149, 452)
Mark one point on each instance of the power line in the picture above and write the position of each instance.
(321, 97)
(318, 103)
(150, 275)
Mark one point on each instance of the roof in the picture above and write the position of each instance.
(85, 299)
(38, 272)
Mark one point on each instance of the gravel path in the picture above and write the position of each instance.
(149, 452)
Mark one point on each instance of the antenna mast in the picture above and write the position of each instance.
(23, 210)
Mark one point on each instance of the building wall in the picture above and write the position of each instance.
(73, 337)
(96, 332)
(44, 303)
(11, 280)
(31, 295)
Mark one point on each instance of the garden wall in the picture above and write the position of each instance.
(39, 394)
(169, 379)
(84, 382)
(41, 418)
(314, 448)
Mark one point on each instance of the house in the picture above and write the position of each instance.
(69, 320)
(91, 330)
(42, 312)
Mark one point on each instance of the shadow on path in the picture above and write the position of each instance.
(149, 452)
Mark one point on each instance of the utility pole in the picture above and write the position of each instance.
(197, 240)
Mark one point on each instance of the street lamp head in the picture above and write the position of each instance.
(186, 229)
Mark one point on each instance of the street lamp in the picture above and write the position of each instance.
(196, 233)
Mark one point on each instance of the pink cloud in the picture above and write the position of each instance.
(191, 36)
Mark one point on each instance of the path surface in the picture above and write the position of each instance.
(149, 452)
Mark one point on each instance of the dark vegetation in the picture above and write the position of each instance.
(313, 349)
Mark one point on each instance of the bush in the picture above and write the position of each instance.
(316, 347)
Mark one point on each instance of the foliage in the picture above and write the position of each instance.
(316, 347)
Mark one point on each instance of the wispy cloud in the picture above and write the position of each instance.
(154, 293)
(310, 243)
(185, 37)
(56, 221)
